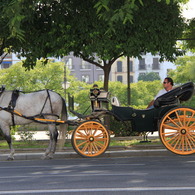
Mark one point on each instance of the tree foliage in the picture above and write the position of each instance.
(125, 10)
(189, 36)
(151, 76)
(185, 70)
(141, 94)
(39, 29)
(41, 77)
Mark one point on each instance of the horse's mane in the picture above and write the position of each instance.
(3, 88)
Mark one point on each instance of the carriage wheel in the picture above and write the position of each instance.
(90, 139)
(177, 130)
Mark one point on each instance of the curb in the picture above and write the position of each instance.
(113, 151)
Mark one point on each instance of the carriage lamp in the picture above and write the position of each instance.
(98, 97)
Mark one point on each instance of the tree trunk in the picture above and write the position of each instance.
(107, 68)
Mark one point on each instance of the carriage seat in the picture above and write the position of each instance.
(115, 101)
(130, 113)
(99, 98)
(175, 96)
(127, 113)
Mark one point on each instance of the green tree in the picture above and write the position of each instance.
(185, 70)
(151, 76)
(124, 12)
(55, 28)
(189, 36)
(141, 94)
(41, 77)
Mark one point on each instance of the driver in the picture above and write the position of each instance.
(168, 86)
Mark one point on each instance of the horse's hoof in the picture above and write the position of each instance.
(10, 158)
(50, 156)
(46, 157)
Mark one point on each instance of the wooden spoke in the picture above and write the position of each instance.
(82, 143)
(173, 122)
(99, 135)
(177, 130)
(191, 140)
(99, 144)
(94, 132)
(193, 124)
(170, 127)
(178, 118)
(100, 139)
(191, 137)
(95, 147)
(172, 139)
(188, 143)
(90, 139)
(169, 134)
(80, 134)
(85, 147)
(178, 140)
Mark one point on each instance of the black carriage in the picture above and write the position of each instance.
(175, 123)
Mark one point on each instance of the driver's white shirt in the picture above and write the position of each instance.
(161, 92)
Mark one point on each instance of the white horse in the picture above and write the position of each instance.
(41, 104)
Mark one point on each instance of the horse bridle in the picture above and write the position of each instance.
(2, 90)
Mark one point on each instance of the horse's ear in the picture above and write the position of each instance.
(2, 88)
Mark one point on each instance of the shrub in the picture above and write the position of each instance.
(122, 128)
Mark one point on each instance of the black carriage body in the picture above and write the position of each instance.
(176, 125)
(141, 120)
(147, 120)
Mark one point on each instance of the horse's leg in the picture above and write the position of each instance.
(53, 141)
(6, 132)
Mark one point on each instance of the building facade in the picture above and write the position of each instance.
(121, 68)
(83, 70)
(150, 63)
(7, 62)
(89, 73)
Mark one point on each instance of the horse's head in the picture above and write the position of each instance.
(2, 89)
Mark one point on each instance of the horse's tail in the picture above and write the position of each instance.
(63, 126)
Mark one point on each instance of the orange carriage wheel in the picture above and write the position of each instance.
(177, 130)
(90, 139)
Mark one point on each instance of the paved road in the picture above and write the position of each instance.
(130, 175)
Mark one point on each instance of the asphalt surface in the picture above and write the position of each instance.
(112, 151)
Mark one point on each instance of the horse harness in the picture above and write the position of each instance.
(13, 101)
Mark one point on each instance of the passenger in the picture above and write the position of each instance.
(168, 86)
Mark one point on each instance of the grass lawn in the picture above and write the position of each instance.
(44, 144)
(133, 142)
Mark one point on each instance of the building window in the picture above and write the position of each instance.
(155, 65)
(131, 79)
(6, 64)
(142, 64)
(131, 66)
(97, 67)
(168, 70)
(9, 55)
(141, 74)
(119, 66)
(120, 78)
(85, 78)
(68, 62)
(85, 65)
(101, 77)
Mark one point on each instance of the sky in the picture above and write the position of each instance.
(189, 10)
